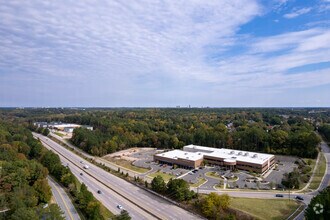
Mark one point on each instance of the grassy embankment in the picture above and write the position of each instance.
(165, 176)
(128, 165)
(200, 182)
(265, 208)
(59, 134)
(319, 173)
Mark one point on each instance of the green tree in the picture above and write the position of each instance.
(319, 207)
(53, 213)
(93, 210)
(43, 190)
(213, 205)
(179, 189)
(123, 216)
(158, 184)
(46, 132)
(24, 213)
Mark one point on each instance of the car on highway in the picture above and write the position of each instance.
(299, 198)
(81, 174)
(119, 207)
(86, 166)
(99, 192)
(278, 195)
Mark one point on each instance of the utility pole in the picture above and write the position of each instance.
(289, 194)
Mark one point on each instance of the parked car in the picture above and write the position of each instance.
(299, 198)
(119, 207)
(278, 195)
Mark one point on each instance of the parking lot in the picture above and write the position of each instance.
(217, 176)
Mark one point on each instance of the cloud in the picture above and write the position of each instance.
(116, 52)
(78, 38)
(297, 13)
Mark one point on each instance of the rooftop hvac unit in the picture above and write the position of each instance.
(246, 154)
(255, 155)
(232, 152)
(239, 153)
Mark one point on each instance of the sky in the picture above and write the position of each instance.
(165, 53)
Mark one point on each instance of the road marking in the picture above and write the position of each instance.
(67, 208)
(140, 208)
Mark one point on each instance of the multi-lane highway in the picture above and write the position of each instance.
(115, 191)
(63, 201)
(131, 191)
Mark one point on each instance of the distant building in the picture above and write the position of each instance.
(41, 124)
(87, 127)
(68, 129)
(192, 156)
(61, 126)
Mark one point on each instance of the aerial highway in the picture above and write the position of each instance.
(63, 201)
(114, 190)
(97, 159)
(307, 196)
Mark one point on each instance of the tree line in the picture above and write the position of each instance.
(325, 131)
(114, 131)
(212, 206)
(24, 189)
(23, 185)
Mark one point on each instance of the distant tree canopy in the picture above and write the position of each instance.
(253, 131)
(23, 184)
(270, 130)
(24, 189)
(325, 131)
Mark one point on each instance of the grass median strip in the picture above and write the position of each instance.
(213, 175)
(265, 208)
(59, 134)
(128, 165)
(199, 182)
(319, 173)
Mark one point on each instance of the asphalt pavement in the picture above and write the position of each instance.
(63, 200)
(139, 203)
(250, 194)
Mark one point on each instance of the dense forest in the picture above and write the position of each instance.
(25, 165)
(253, 131)
(271, 130)
(325, 131)
(24, 189)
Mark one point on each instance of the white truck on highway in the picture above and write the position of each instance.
(86, 166)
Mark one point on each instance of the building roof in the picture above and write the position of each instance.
(238, 155)
(179, 154)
